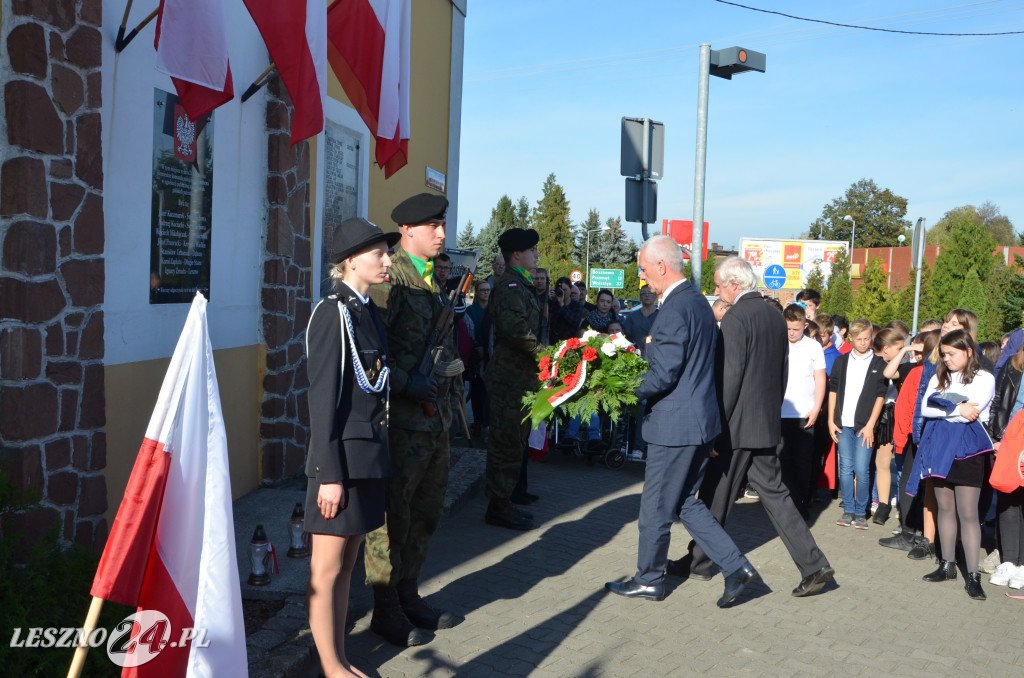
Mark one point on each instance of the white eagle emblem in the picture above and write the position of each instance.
(185, 133)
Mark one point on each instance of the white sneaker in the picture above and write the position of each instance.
(1017, 578)
(1002, 575)
(991, 562)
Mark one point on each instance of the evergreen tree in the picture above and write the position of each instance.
(503, 217)
(631, 282)
(505, 213)
(871, 299)
(972, 297)
(591, 224)
(999, 286)
(522, 218)
(837, 298)
(903, 302)
(707, 274)
(967, 245)
(551, 219)
(467, 240)
(815, 280)
(611, 248)
(1012, 305)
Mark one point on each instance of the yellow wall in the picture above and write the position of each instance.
(132, 389)
(429, 101)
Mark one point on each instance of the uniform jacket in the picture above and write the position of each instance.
(410, 311)
(753, 365)
(875, 386)
(515, 317)
(679, 385)
(348, 432)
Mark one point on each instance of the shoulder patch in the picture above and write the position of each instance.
(513, 286)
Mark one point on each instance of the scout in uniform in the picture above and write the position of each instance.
(420, 417)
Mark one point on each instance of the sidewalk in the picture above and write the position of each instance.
(534, 604)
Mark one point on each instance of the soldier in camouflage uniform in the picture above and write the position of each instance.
(511, 374)
(420, 416)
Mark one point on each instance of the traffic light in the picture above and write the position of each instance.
(731, 60)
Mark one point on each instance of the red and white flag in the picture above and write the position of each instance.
(192, 48)
(172, 546)
(369, 50)
(296, 37)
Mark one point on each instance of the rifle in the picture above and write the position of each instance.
(443, 326)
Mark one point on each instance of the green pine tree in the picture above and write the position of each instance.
(871, 299)
(972, 297)
(999, 286)
(1012, 305)
(903, 302)
(837, 299)
(815, 280)
(551, 219)
(967, 245)
(467, 240)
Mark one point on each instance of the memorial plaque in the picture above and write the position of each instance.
(182, 203)
(341, 190)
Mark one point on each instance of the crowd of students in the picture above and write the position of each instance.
(912, 424)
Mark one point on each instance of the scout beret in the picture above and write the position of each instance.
(518, 239)
(357, 234)
(419, 209)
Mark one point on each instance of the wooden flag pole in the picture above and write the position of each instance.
(120, 44)
(258, 83)
(91, 619)
(124, 24)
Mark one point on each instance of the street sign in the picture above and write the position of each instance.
(576, 276)
(636, 147)
(611, 278)
(917, 245)
(774, 277)
(637, 208)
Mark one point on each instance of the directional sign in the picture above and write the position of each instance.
(774, 277)
(611, 278)
(576, 276)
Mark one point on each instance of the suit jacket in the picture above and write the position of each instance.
(679, 385)
(348, 436)
(752, 368)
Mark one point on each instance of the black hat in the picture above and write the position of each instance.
(420, 209)
(518, 239)
(356, 234)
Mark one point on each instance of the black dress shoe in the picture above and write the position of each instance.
(814, 582)
(631, 589)
(681, 568)
(735, 583)
(945, 572)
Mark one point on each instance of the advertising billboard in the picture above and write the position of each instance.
(797, 257)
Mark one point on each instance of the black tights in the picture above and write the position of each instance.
(962, 501)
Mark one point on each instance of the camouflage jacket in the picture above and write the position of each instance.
(409, 310)
(515, 316)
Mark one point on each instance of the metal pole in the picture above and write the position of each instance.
(920, 265)
(588, 260)
(703, 76)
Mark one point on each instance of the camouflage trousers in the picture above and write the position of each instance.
(413, 506)
(508, 438)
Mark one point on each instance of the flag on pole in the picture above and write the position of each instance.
(369, 48)
(172, 545)
(296, 36)
(192, 47)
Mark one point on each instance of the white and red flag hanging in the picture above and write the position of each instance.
(172, 546)
(296, 36)
(192, 47)
(369, 50)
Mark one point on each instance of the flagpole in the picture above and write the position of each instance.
(124, 23)
(259, 82)
(121, 44)
(93, 616)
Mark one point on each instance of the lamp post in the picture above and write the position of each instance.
(596, 230)
(853, 239)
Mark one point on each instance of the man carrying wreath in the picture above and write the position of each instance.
(511, 374)
(681, 422)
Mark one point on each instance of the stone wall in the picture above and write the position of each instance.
(52, 406)
(285, 293)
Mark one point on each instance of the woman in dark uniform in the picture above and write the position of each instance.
(346, 351)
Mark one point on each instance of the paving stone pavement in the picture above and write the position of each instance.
(534, 603)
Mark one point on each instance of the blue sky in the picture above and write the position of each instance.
(935, 119)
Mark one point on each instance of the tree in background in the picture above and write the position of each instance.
(504, 216)
(1011, 307)
(903, 298)
(707, 274)
(612, 247)
(551, 219)
(988, 215)
(522, 213)
(467, 240)
(998, 287)
(837, 297)
(591, 223)
(967, 245)
(872, 300)
(972, 297)
(880, 215)
(815, 280)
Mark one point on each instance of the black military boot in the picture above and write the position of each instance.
(503, 513)
(390, 622)
(417, 610)
(945, 572)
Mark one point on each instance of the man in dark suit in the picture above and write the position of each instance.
(682, 421)
(752, 368)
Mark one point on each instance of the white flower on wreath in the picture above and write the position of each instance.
(620, 342)
(588, 335)
(608, 349)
